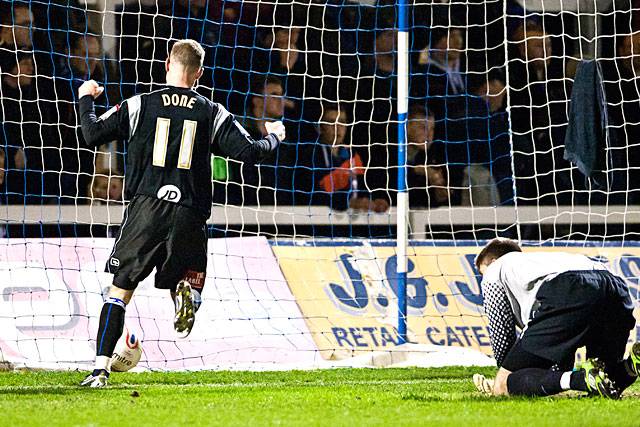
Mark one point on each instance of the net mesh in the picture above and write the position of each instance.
(490, 123)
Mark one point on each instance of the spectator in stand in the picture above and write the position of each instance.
(201, 20)
(375, 91)
(33, 151)
(86, 60)
(335, 169)
(233, 48)
(267, 103)
(374, 131)
(487, 181)
(24, 28)
(281, 56)
(440, 82)
(15, 29)
(539, 105)
(534, 67)
(193, 19)
(34, 96)
(145, 31)
(12, 171)
(335, 46)
(250, 184)
(629, 68)
(622, 90)
(439, 74)
(105, 187)
(426, 175)
(494, 93)
(16, 35)
(628, 54)
(282, 53)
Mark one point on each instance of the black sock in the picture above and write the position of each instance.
(111, 326)
(534, 382)
(577, 381)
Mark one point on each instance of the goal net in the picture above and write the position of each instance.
(521, 121)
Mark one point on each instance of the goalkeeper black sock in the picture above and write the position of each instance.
(534, 382)
(578, 380)
(109, 331)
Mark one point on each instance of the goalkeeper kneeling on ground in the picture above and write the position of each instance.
(560, 302)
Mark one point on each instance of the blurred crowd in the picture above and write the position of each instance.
(328, 69)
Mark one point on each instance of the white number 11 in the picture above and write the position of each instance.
(186, 143)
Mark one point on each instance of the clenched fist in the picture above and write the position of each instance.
(90, 87)
(276, 128)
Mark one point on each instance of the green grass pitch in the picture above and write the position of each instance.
(341, 397)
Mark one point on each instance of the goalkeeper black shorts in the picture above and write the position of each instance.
(577, 308)
(162, 235)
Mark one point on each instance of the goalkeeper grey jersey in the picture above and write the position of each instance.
(510, 285)
(172, 133)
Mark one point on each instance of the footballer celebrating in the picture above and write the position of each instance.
(560, 302)
(171, 135)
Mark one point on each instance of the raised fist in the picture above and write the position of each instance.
(90, 87)
(276, 128)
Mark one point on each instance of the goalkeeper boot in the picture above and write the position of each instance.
(185, 309)
(634, 357)
(598, 382)
(96, 379)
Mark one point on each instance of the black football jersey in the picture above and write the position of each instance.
(172, 133)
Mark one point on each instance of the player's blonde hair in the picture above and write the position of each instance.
(189, 53)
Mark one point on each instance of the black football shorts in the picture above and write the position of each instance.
(162, 235)
(577, 308)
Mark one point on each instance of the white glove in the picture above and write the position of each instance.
(483, 384)
(276, 128)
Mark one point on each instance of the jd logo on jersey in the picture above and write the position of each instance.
(170, 193)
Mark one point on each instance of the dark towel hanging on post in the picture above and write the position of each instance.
(586, 136)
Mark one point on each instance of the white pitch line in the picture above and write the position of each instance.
(126, 386)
